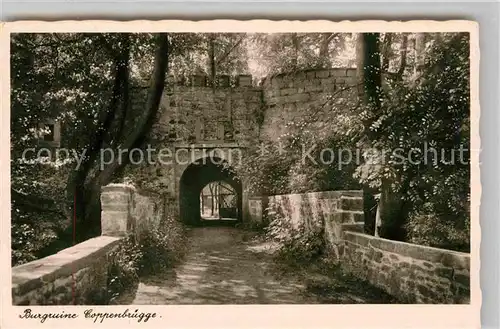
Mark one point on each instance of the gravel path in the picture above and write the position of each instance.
(222, 267)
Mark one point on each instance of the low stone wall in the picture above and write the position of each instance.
(414, 273)
(73, 275)
(127, 209)
(256, 209)
(79, 274)
(330, 211)
(313, 209)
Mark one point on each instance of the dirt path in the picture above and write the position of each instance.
(222, 268)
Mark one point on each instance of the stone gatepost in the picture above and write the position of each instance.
(116, 202)
(347, 215)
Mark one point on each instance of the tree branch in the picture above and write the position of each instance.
(227, 53)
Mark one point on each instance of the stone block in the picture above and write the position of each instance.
(244, 80)
(288, 91)
(310, 74)
(322, 74)
(342, 81)
(350, 203)
(444, 272)
(276, 81)
(351, 72)
(114, 223)
(338, 72)
(353, 227)
(342, 216)
(377, 256)
(299, 97)
(358, 238)
(313, 88)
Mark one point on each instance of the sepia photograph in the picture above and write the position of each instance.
(222, 168)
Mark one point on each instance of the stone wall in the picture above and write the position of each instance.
(147, 210)
(79, 274)
(317, 208)
(306, 94)
(416, 274)
(235, 115)
(256, 210)
(413, 273)
(191, 114)
(127, 209)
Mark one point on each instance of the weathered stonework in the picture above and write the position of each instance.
(416, 274)
(289, 97)
(127, 209)
(79, 274)
(413, 273)
(331, 212)
(197, 118)
(256, 210)
(76, 274)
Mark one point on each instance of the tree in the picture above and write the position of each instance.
(428, 200)
(56, 76)
(289, 52)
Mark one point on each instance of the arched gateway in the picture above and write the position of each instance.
(195, 178)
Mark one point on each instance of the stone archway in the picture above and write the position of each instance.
(195, 177)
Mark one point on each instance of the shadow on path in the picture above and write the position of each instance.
(222, 267)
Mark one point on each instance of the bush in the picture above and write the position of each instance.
(124, 267)
(30, 241)
(297, 245)
(427, 228)
(153, 252)
(161, 248)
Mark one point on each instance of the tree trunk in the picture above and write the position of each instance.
(76, 191)
(364, 81)
(87, 190)
(211, 55)
(324, 48)
(369, 68)
(419, 53)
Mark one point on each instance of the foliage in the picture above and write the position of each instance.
(162, 247)
(36, 233)
(82, 81)
(192, 54)
(282, 167)
(297, 244)
(152, 252)
(424, 106)
(289, 52)
(124, 267)
(27, 240)
(428, 115)
(425, 227)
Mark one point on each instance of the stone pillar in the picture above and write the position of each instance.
(116, 202)
(347, 215)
